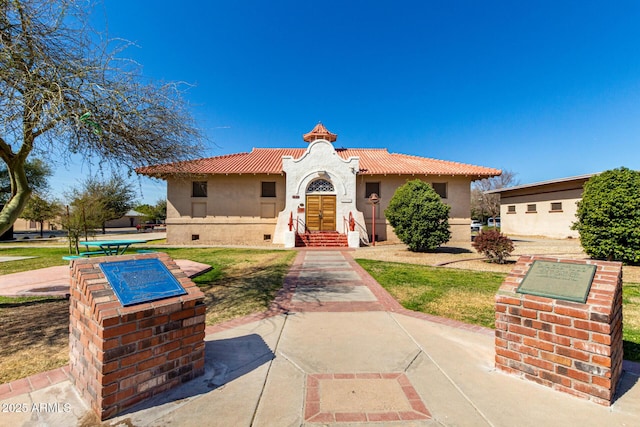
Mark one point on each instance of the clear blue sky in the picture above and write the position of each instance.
(547, 89)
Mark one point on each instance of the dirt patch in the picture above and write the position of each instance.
(34, 338)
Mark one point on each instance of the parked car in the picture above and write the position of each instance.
(476, 225)
(148, 225)
(494, 222)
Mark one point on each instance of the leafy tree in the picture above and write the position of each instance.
(103, 200)
(65, 90)
(157, 212)
(79, 220)
(37, 172)
(40, 209)
(609, 216)
(483, 205)
(418, 216)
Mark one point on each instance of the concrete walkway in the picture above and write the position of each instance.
(336, 349)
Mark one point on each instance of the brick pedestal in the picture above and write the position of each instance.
(571, 347)
(120, 356)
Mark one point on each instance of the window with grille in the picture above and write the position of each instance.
(531, 209)
(320, 186)
(511, 209)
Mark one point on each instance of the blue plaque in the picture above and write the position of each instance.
(141, 280)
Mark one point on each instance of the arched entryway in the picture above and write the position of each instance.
(320, 206)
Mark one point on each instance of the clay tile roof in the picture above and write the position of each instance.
(269, 161)
(381, 162)
(320, 132)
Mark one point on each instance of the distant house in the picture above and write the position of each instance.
(252, 198)
(25, 225)
(546, 209)
(130, 219)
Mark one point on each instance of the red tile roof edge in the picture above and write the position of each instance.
(373, 161)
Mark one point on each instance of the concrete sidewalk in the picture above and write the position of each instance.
(337, 349)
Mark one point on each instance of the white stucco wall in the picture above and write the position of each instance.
(320, 161)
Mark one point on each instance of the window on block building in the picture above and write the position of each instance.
(556, 206)
(199, 189)
(268, 189)
(440, 188)
(370, 188)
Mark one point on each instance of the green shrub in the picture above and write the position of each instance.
(494, 245)
(418, 216)
(609, 216)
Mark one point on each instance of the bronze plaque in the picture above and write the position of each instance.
(141, 280)
(558, 280)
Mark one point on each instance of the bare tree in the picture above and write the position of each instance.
(65, 90)
(488, 205)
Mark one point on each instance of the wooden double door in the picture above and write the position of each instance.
(321, 212)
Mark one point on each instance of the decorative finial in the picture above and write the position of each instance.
(320, 132)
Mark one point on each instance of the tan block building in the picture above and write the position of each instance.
(545, 209)
(262, 196)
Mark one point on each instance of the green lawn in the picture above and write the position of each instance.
(464, 295)
(44, 257)
(468, 296)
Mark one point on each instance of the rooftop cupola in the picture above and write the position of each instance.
(320, 132)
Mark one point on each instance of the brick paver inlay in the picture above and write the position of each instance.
(362, 397)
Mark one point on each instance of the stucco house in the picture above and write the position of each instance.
(269, 194)
(130, 219)
(545, 209)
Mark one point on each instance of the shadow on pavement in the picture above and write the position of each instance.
(225, 361)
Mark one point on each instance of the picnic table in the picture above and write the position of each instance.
(108, 247)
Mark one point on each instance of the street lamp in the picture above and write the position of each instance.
(374, 200)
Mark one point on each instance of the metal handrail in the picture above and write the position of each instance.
(363, 232)
(351, 224)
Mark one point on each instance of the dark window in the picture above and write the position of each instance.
(199, 189)
(556, 206)
(441, 189)
(531, 208)
(511, 209)
(268, 189)
(370, 188)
